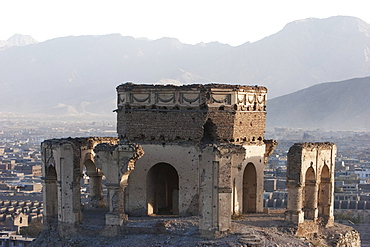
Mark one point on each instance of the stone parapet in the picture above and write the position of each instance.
(140, 96)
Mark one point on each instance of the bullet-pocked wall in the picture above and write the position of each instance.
(248, 173)
(165, 181)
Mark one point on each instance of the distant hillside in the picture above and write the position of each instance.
(343, 105)
(302, 54)
(78, 75)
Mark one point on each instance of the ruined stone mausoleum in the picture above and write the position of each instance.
(310, 182)
(181, 150)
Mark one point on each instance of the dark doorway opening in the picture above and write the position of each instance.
(249, 189)
(163, 190)
(209, 132)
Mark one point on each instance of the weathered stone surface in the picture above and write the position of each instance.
(310, 182)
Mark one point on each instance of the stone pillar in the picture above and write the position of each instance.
(69, 189)
(50, 212)
(294, 213)
(224, 191)
(330, 207)
(69, 186)
(116, 215)
(224, 209)
(96, 190)
(117, 162)
(326, 205)
(215, 195)
(208, 199)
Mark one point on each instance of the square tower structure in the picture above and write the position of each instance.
(213, 113)
(206, 142)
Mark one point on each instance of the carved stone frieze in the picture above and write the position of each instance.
(248, 98)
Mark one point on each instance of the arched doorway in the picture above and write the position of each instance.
(310, 199)
(324, 193)
(249, 189)
(163, 190)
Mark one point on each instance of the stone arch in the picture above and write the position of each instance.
(310, 194)
(250, 189)
(324, 193)
(162, 190)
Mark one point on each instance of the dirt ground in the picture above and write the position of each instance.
(250, 230)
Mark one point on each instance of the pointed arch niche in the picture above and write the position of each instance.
(324, 193)
(310, 195)
(51, 193)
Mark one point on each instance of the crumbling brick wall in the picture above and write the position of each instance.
(154, 113)
(157, 126)
(249, 126)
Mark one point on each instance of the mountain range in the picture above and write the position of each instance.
(78, 75)
(342, 105)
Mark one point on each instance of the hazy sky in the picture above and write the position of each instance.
(191, 21)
